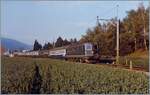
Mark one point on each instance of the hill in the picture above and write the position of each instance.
(12, 44)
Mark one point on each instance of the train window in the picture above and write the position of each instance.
(89, 52)
(88, 46)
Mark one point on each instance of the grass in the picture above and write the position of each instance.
(20, 76)
(139, 58)
(139, 54)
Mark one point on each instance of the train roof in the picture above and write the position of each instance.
(57, 48)
(71, 45)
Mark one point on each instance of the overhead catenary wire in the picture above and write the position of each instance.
(107, 12)
(117, 33)
(103, 14)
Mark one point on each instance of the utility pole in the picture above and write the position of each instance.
(117, 48)
(98, 24)
(117, 34)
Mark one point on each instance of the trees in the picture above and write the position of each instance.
(66, 42)
(75, 40)
(59, 42)
(97, 36)
(47, 46)
(37, 46)
(88, 37)
(126, 43)
(137, 23)
(133, 33)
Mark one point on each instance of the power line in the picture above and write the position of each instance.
(105, 14)
(117, 34)
(102, 14)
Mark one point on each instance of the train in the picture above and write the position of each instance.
(85, 53)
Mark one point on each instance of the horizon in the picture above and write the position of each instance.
(26, 21)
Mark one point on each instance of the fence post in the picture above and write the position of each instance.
(113, 62)
(126, 61)
(131, 65)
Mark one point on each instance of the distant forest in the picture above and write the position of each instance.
(134, 32)
(59, 43)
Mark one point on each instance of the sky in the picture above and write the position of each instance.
(45, 21)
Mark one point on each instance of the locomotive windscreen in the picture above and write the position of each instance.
(88, 49)
(88, 46)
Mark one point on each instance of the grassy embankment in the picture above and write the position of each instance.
(139, 58)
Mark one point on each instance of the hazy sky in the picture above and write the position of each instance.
(46, 20)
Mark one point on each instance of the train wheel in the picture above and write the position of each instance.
(74, 59)
(82, 60)
(78, 59)
(66, 59)
(87, 61)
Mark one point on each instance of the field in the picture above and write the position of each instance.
(43, 75)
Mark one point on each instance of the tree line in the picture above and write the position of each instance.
(59, 43)
(134, 32)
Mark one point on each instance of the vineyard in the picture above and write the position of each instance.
(43, 75)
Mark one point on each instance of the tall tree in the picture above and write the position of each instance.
(47, 46)
(59, 42)
(75, 40)
(50, 45)
(142, 13)
(71, 41)
(37, 46)
(66, 42)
